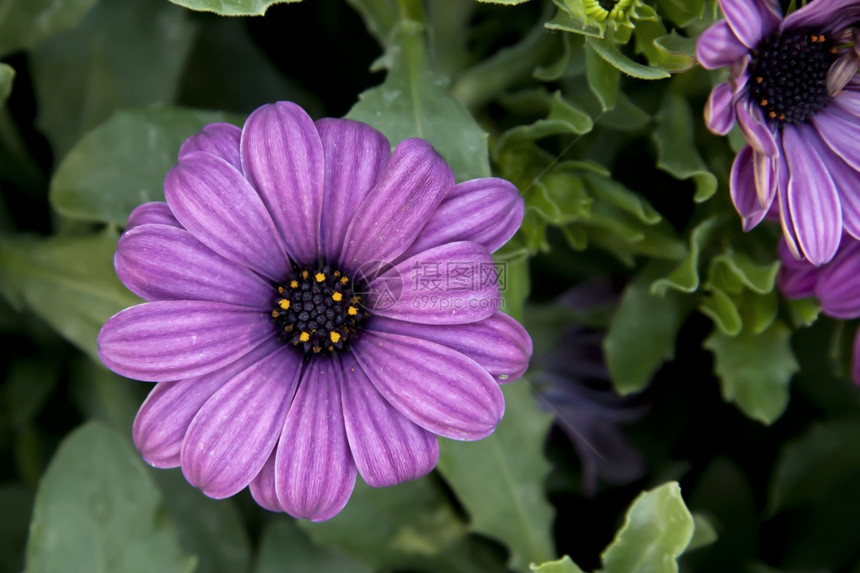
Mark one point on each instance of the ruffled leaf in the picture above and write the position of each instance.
(642, 333)
(284, 543)
(563, 565)
(608, 50)
(231, 7)
(656, 531)
(7, 74)
(755, 370)
(676, 148)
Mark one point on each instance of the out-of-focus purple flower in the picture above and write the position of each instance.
(794, 92)
(834, 284)
(575, 386)
(313, 310)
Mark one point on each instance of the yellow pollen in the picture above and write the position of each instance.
(763, 102)
(335, 337)
(317, 349)
(294, 284)
(344, 280)
(782, 117)
(320, 277)
(336, 296)
(275, 314)
(759, 80)
(284, 304)
(280, 290)
(772, 114)
(305, 274)
(304, 337)
(352, 311)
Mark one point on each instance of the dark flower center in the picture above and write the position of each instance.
(318, 310)
(607, 5)
(788, 75)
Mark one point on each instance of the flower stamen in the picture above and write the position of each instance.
(317, 311)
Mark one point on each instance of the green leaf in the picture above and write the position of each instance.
(816, 463)
(506, 2)
(412, 102)
(563, 565)
(603, 78)
(704, 533)
(755, 370)
(411, 523)
(563, 118)
(685, 277)
(803, 311)
(231, 7)
(7, 74)
(682, 12)
(759, 278)
(122, 163)
(122, 54)
(722, 310)
(566, 22)
(676, 147)
(211, 529)
(656, 531)
(614, 193)
(507, 465)
(607, 50)
(69, 282)
(25, 23)
(17, 503)
(676, 53)
(284, 543)
(97, 510)
(101, 395)
(642, 333)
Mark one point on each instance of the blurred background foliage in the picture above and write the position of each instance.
(679, 413)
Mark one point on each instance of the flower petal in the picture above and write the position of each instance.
(847, 181)
(235, 431)
(487, 211)
(355, 158)
(720, 110)
(156, 212)
(499, 344)
(829, 15)
(796, 278)
(218, 139)
(456, 283)
(836, 289)
(788, 233)
(388, 448)
(813, 201)
(263, 487)
(158, 262)
(742, 186)
(718, 47)
(764, 168)
(164, 417)
(282, 157)
(755, 130)
(751, 20)
(175, 339)
(838, 129)
(314, 470)
(212, 199)
(436, 387)
(394, 212)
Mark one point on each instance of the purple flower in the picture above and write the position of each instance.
(292, 318)
(833, 284)
(794, 93)
(575, 386)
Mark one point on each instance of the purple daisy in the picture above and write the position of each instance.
(293, 321)
(833, 284)
(794, 93)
